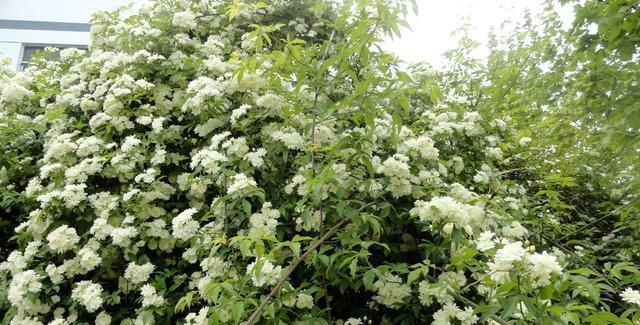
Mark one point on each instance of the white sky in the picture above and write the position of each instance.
(431, 30)
(429, 38)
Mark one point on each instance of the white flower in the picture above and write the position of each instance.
(72, 195)
(88, 294)
(291, 140)
(159, 157)
(122, 236)
(138, 273)
(148, 176)
(422, 145)
(130, 143)
(269, 274)
(89, 260)
(237, 113)
(631, 296)
(524, 141)
(103, 319)
(240, 182)
(209, 159)
(144, 120)
(265, 222)
(62, 239)
(458, 164)
(499, 124)
(445, 208)
(55, 273)
(150, 297)
(494, 153)
(450, 311)
(485, 241)
(311, 223)
(482, 177)
(397, 169)
(185, 19)
(204, 129)
(515, 230)
(100, 229)
(21, 284)
(304, 301)
(184, 227)
(32, 249)
(509, 253)
(214, 266)
(504, 259)
(47, 169)
(541, 266)
(201, 317)
(156, 125)
(14, 93)
(256, 157)
(88, 145)
(270, 101)
(391, 291)
(460, 193)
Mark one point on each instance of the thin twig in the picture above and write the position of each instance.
(313, 152)
(561, 239)
(297, 262)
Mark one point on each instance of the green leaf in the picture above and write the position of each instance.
(368, 278)
(487, 311)
(238, 311)
(594, 293)
(414, 275)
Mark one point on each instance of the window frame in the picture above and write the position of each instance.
(23, 64)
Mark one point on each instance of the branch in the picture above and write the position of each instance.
(590, 224)
(297, 262)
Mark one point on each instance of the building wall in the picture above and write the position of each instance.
(30, 22)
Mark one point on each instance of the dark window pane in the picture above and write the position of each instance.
(30, 50)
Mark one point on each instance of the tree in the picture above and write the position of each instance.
(226, 162)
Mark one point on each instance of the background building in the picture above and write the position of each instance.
(30, 25)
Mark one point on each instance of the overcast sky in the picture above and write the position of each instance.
(429, 38)
(431, 30)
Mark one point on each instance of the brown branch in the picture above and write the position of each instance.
(297, 262)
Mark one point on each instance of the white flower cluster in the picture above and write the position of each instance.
(451, 312)
(184, 227)
(538, 266)
(398, 171)
(267, 275)
(631, 296)
(137, 274)
(391, 291)
(88, 294)
(239, 182)
(62, 239)
(451, 212)
(22, 284)
(177, 144)
(150, 296)
(265, 222)
(440, 291)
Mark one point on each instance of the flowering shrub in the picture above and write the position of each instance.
(218, 162)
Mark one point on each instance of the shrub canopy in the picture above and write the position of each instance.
(222, 162)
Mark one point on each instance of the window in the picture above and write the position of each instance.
(29, 51)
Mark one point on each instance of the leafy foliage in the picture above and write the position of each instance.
(238, 161)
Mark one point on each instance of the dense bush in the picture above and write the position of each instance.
(226, 162)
